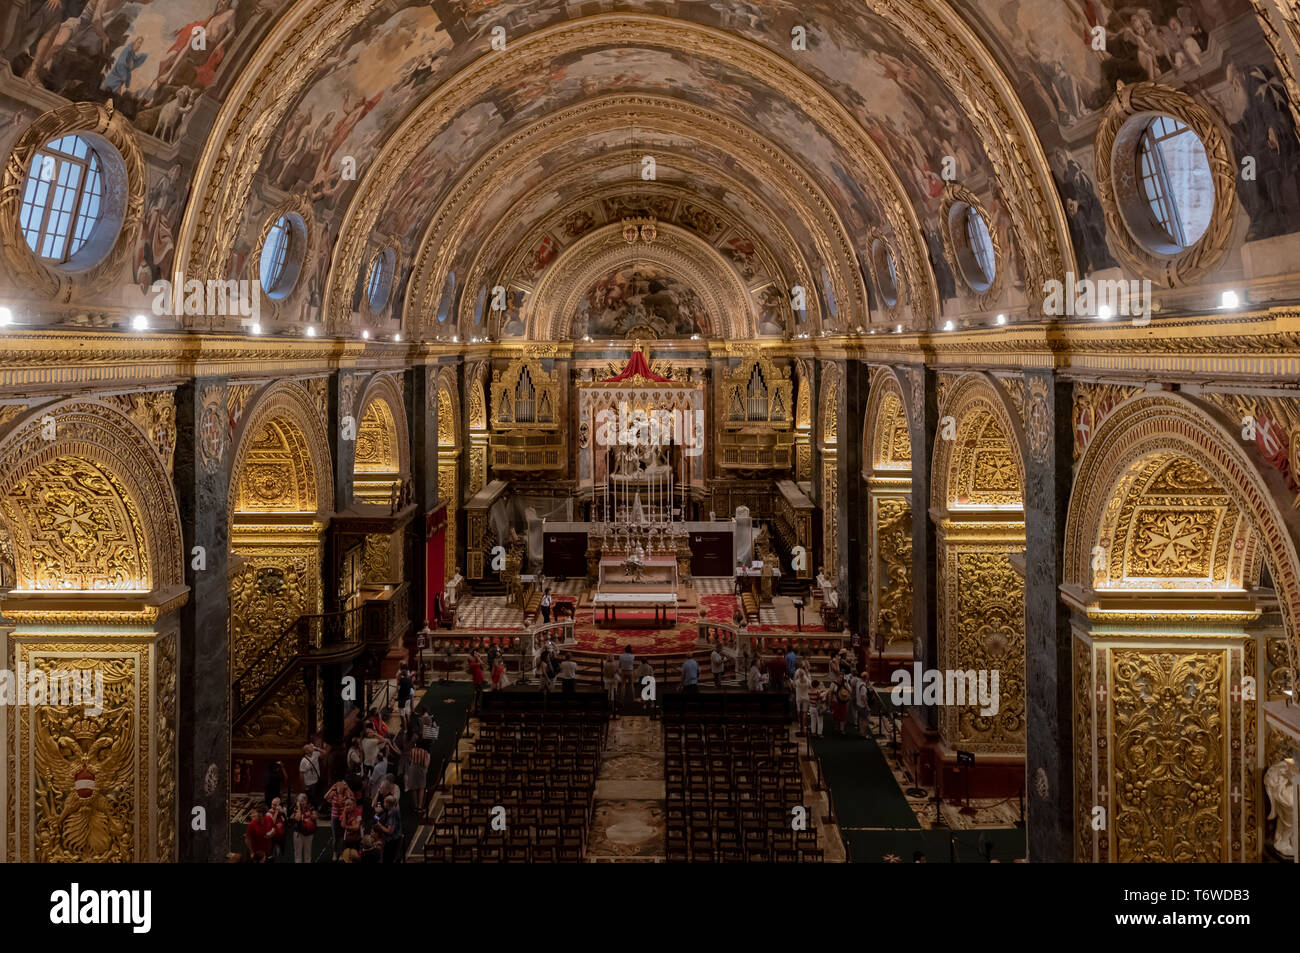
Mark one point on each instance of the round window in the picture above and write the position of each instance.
(882, 262)
(973, 245)
(72, 203)
(380, 284)
(281, 260)
(1175, 200)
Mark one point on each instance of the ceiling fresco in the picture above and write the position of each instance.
(345, 105)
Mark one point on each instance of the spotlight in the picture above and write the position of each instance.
(6, 317)
(397, 337)
(140, 323)
(455, 339)
(1104, 312)
(949, 326)
(898, 329)
(1230, 301)
(1002, 319)
(310, 331)
(255, 328)
(365, 335)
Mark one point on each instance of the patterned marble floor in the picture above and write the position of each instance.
(989, 812)
(628, 819)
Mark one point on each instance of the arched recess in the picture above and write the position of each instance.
(86, 502)
(887, 470)
(382, 459)
(977, 504)
(381, 473)
(449, 447)
(281, 493)
(549, 314)
(803, 419)
(832, 394)
(1169, 525)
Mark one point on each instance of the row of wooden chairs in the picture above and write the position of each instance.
(518, 817)
(514, 854)
(684, 853)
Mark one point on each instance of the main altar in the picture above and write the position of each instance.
(639, 445)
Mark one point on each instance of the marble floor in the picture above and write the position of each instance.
(628, 818)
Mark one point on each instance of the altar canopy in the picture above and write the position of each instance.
(642, 430)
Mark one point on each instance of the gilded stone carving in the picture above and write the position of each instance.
(214, 428)
(894, 550)
(81, 529)
(75, 753)
(1169, 729)
(165, 656)
(282, 463)
(155, 413)
(985, 630)
(1092, 405)
(1038, 417)
(1084, 747)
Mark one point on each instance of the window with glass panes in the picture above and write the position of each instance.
(63, 198)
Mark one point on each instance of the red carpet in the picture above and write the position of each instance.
(677, 639)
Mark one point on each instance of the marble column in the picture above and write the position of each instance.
(202, 469)
(854, 518)
(1049, 735)
(422, 413)
(922, 396)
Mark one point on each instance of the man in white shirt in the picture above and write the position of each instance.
(309, 771)
(569, 674)
(717, 666)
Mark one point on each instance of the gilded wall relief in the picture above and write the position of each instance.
(1168, 740)
(277, 584)
(74, 752)
(1084, 751)
(985, 630)
(153, 412)
(1093, 403)
(78, 528)
(894, 569)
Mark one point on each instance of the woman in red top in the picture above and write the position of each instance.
(476, 675)
(351, 824)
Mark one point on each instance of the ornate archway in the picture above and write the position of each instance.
(1169, 526)
(887, 470)
(382, 459)
(449, 447)
(673, 253)
(86, 502)
(977, 503)
(832, 394)
(280, 494)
